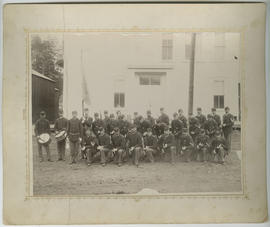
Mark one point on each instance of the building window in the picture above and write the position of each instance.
(167, 49)
(119, 100)
(150, 78)
(219, 101)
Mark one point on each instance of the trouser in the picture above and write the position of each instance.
(150, 152)
(47, 151)
(119, 155)
(219, 153)
(178, 145)
(172, 152)
(61, 147)
(228, 139)
(187, 153)
(74, 149)
(90, 152)
(202, 154)
(105, 155)
(136, 154)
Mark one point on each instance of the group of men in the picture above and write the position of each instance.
(116, 139)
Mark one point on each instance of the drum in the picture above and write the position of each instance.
(44, 139)
(61, 136)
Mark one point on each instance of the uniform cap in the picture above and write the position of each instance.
(199, 109)
(175, 114)
(213, 109)
(148, 112)
(42, 112)
(161, 108)
(85, 109)
(105, 112)
(111, 115)
(74, 112)
(209, 116)
(96, 114)
(135, 113)
(227, 108)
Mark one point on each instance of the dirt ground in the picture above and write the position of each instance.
(60, 178)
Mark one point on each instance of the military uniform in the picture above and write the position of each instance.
(90, 143)
(86, 123)
(201, 119)
(74, 132)
(184, 120)
(228, 122)
(194, 127)
(97, 125)
(123, 126)
(167, 142)
(219, 148)
(60, 125)
(112, 124)
(202, 146)
(134, 144)
(106, 123)
(150, 144)
(176, 127)
(164, 118)
(105, 150)
(118, 144)
(42, 125)
(216, 117)
(187, 146)
(210, 127)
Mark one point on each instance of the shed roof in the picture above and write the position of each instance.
(41, 76)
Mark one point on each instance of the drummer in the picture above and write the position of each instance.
(42, 125)
(61, 125)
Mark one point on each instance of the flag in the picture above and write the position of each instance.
(85, 92)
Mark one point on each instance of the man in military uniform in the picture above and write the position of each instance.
(123, 125)
(104, 147)
(134, 144)
(118, 145)
(219, 148)
(202, 145)
(227, 124)
(150, 119)
(182, 118)
(176, 127)
(136, 119)
(90, 143)
(194, 126)
(201, 118)
(42, 125)
(112, 124)
(75, 135)
(187, 145)
(163, 118)
(216, 117)
(167, 142)
(97, 124)
(61, 124)
(86, 120)
(150, 145)
(210, 126)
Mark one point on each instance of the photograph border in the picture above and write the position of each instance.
(28, 121)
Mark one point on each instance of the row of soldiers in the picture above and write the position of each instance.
(117, 139)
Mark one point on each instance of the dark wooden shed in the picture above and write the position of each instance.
(45, 96)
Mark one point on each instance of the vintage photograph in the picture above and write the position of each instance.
(122, 112)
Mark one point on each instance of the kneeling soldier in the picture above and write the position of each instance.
(187, 145)
(150, 143)
(90, 144)
(219, 147)
(118, 143)
(134, 144)
(168, 144)
(104, 147)
(202, 145)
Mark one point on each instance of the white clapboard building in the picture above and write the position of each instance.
(146, 71)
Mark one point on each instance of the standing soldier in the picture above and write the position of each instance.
(42, 125)
(136, 119)
(123, 125)
(112, 124)
(163, 118)
(134, 144)
(177, 127)
(182, 118)
(118, 144)
(167, 142)
(97, 124)
(150, 145)
(216, 117)
(227, 124)
(106, 121)
(61, 124)
(104, 147)
(210, 127)
(86, 122)
(75, 134)
(201, 118)
(90, 143)
(218, 148)
(144, 125)
(187, 145)
(150, 119)
(194, 126)
(202, 145)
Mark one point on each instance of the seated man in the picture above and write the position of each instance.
(150, 145)
(134, 144)
(104, 147)
(218, 148)
(167, 142)
(187, 145)
(202, 145)
(90, 143)
(118, 144)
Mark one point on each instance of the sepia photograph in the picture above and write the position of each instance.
(136, 112)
